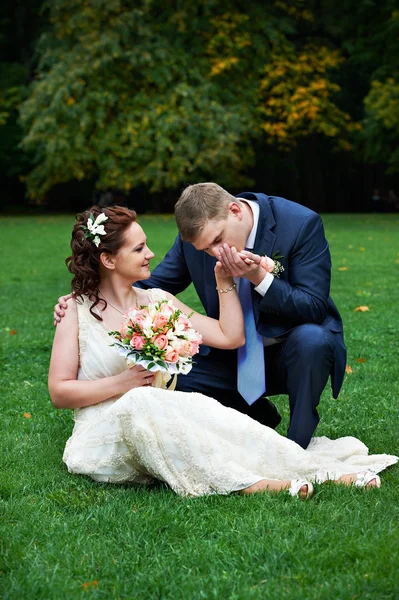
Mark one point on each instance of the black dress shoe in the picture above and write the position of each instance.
(265, 413)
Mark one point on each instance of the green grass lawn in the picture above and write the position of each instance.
(64, 536)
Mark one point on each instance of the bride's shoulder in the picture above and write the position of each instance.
(79, 304)
(72, 303)
(75, 301)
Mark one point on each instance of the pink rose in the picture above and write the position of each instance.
(184, 322)
(161, 341)
(171, 355)
(181, 347)
(124, 330)
(140, 318)
(137, 342)
(194, 348)
(185, 348)
(160, 322)
(166, 310)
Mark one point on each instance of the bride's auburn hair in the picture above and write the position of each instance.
(84, 263)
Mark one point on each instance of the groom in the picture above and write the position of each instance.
(298, 326)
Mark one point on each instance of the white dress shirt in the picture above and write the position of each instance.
(268, 279)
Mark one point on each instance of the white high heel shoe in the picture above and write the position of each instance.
(295, 488)
(366, 477)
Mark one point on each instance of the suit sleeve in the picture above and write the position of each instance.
(172, 274)
(304, 297)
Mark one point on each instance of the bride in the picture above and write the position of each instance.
(128, 431)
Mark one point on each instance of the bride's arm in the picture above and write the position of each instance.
(227, 332)
(66, 390)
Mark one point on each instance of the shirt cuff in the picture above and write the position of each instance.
(265, 284)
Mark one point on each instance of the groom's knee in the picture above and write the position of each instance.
(311, 343)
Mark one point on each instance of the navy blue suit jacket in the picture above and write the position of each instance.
(301, 294)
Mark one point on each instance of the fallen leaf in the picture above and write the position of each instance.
(134, 508)
(348, 369)
(361, 309)
(343, 268)
(361, 360)
(27, 415)
(12, 332)
(88, 584)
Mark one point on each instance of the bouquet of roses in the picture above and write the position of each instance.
(160, 338)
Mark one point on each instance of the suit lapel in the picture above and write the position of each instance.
(264, 243)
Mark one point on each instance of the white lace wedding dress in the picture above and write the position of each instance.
(190, 441)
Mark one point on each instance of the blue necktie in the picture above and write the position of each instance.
(251, 378)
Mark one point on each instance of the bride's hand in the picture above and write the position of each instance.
(134, 377)
(264, 261)
(223, 278)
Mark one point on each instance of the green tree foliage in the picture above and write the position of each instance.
(367, 33)
(12, 90)
(382, 123)
(162, 94)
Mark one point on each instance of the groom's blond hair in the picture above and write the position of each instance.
(198, 204)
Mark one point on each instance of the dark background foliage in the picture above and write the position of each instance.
(131, 101)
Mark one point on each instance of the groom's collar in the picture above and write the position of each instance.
(266, 217)
(265, 238)
(254, 206)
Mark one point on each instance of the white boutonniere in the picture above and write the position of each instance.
(278, 267)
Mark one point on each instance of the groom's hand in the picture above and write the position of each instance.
(60, 308)
(242, 264)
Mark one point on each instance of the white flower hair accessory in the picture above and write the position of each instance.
(94, 229)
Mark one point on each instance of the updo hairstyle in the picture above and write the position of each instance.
(84, 264)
